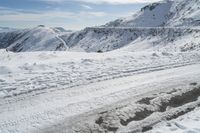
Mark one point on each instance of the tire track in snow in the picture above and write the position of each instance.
(62, 108)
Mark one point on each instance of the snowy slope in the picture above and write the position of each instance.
(102, 39)
(153, 15)
(135, 39)
(171, 13)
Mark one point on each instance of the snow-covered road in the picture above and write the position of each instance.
(49, 91)
(109, 96)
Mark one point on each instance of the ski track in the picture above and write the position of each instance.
(59, 38)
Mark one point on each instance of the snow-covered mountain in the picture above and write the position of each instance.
(159, 26)
(134, 39)
(100, 39)
(171, 13)
(35, 39)
(163, 25)
(61, 30)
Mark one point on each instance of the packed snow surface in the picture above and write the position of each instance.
(43, 91)
(189, 123)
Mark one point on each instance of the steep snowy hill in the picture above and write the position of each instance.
(166, 13)
(35, 39)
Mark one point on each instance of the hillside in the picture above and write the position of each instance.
(168, 13)
(134, 39)
(36, 39)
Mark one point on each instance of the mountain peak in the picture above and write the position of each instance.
(169, 13)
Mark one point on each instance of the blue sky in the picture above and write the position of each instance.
(70, 14)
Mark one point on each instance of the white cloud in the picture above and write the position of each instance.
(116, 1)
(93, 14)
(10, 15)
(105, 1)
(86, 7)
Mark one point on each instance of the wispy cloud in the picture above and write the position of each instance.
(71, 14)
(105, 1)
(116, 1)
(23, 15)
(86, 7)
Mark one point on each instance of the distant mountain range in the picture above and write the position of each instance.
(6, 29)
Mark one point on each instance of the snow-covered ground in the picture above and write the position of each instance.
(188, 123)
(43, 91)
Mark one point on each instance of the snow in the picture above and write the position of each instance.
(171, 13)
(35, 39)
(139, 39)
(188, 123)
(104, 39)
(153, 15)
(42, 89)
(61, 30)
